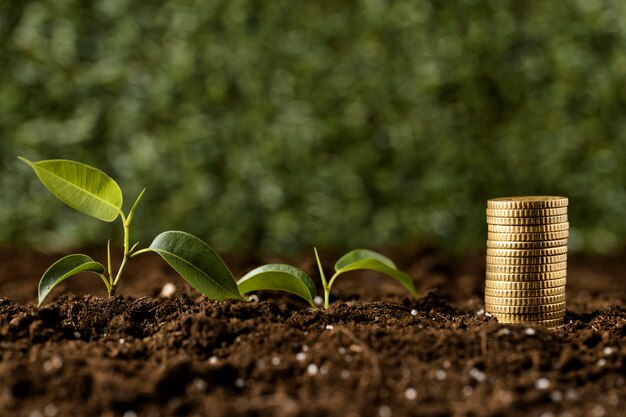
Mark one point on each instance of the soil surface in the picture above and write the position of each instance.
(375, 352)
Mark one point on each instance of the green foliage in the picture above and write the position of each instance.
(81, 187)
(94, 193)
(363, 259)
(64, 268)
(279, 277)
(346, 123)
(197, 263)
(374, 261)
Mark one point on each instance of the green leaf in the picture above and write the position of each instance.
(65, 268)
(80, 186)
(367, 259)
(197, 263)
(279, 277)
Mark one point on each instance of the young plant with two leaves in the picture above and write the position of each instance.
(94, 193)
(351, 261)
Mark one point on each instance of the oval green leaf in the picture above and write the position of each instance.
(197, 263)
(80, 186)
(279, 277)
(65, 268)
(367, 259)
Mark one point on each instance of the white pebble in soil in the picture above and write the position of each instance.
(129, 413)
(414, 312)
(598, 411)
(341, 350)
(410, 394)
(312, 369)
(556, 396)
(240, 383)
(168, 290)
(53, 364)
(467, 390)
(199, 384)
(480, 312)
(254, 298)
(542, 383)
(275, 361)
(503, 332)
(608, 351)
(318, 301)
(213, 360)
(440, 375)
(601, 362)
(530, 331)
(345, 374)
(571, 394)
(300, 356)
(51, 410)
(478, 375)
(384, 411)
(329, 327)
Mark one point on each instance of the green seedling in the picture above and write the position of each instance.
(279, 277)
(351, 261)
(94, 193)
(363, 259)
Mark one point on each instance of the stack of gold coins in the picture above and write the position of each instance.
(527, 259)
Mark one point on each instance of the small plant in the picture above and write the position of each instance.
(94, 193)
(351, 261)
(363, 259)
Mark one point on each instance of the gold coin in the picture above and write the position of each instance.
(523, 285)
(528, 318)
(542, 308)
(526, 277)
(526, 237)
(526, 301)
(543, 292)
(559, 250)
(539, 212)
(530, 260)
(537, 228)
(544, 323)
(524, 269)
(540, 244)
(528, 202)
(523, 221)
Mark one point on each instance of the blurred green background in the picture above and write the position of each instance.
(276, 125)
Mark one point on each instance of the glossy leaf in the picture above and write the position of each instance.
(65, 268)
(279, 277)
(367, 259)
(80, 186)
(197, 263)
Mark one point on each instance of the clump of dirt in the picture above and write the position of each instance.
(375, 352)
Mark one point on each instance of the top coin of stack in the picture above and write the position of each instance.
(527, 259)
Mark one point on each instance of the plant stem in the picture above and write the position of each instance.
(120, 271)
(330, 285)
(332, 280)
(324, 282)
(106, 283)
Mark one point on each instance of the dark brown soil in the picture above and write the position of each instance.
(376, 352)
